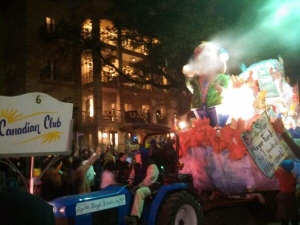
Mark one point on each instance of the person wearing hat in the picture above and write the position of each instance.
(287, 208)
(143, 176)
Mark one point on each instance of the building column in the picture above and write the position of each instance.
(97, 86)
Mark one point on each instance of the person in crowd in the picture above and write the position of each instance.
(98, 168)
(123, 168)
(20, 207)
(108, 176)
(280, 130)
(169, 157)
(90, 174)
(79, 179)
(156, 154)
(57, 184)
(287, 208)
(148, 116)
(21, 164)
(109, 155)
(52, 185)
(143, 178)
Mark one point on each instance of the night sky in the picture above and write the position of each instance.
(270, 29)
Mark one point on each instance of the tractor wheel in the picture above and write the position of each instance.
(180, 208)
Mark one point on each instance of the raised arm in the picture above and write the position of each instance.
(279, 129)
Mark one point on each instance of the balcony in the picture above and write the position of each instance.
(111, 116)
(108, 116)
(133, 117)
(86, 118)
(87, 78)
(136, 117)
(107, 77)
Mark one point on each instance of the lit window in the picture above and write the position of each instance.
(87, 29)
(90, 107)
(108, 32)
(86, 67)
(50, 24)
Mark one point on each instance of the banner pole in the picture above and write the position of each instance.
(31, 181)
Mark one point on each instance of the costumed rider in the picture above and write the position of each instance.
(143, 178)
(205, 76)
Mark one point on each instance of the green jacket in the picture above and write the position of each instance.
(212, 97)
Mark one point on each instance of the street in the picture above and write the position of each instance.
(241, 215)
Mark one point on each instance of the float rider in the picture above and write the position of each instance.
(144, 179)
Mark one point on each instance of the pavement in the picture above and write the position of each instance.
(239, 216)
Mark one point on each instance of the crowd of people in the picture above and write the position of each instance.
(82, 172)
(87, 170)
(79, 173)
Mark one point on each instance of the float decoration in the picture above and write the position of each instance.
(264, 146)
(212, 149)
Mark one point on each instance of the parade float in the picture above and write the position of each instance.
(231, 146)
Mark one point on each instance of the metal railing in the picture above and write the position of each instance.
(133, 116)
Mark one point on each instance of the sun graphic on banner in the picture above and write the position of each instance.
(51, 137)
(46, 138)
(10, 115)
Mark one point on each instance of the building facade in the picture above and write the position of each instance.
(108, 109)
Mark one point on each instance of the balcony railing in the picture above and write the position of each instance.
(113, 116)
(106, 77)
(86, 118)
(133, 116)
(87, 78)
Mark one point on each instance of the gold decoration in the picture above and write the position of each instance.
(132, 114)
(160, 115)
(143, 116)
(109, 113)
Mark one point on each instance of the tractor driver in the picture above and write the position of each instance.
(143, 177)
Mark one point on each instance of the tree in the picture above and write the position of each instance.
(173, 23)
(177, 25)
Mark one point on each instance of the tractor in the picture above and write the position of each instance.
(174, 202)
